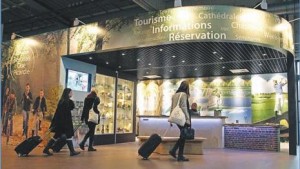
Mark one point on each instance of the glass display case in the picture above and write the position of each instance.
(105, 85)
(125, 94)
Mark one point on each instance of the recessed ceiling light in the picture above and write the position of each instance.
(138, 60)
(173, 56)
(160, 49)
(239, 70)
(107, 63)
(221, 58)
(149, 64)
(123, 54)
(223, 67)
(259, 64)
(90, 58)
(214, 52)
(195, 69)
(170, 71)
(264, 54)
(120, 67)
(183, 61)
(152, 76)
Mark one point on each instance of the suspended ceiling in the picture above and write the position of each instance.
(201, 59)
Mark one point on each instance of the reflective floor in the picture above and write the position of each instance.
(124, 156)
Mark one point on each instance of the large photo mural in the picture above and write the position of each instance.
(30, 72)
(222, 96)
(242, 99)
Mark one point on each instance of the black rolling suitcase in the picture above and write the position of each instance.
(149, 146)
(61, 142)
(24, 148)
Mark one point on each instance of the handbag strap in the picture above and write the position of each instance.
(178, 99)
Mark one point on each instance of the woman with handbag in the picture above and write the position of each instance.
(62, 124)
(91, 101)
(180, 98)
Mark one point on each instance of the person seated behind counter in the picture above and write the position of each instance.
(193, 110)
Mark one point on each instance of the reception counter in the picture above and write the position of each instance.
(209, 127)
(253, 137)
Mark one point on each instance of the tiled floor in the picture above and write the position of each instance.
(124, 156)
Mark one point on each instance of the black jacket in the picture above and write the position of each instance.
(62, 120)
(37, 106)
(26, 102)
(91, 101)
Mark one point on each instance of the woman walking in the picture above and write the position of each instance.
(91, 101)
(181, 97)
(61, 123)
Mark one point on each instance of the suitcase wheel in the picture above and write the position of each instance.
(22, 155)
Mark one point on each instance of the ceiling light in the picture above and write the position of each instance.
(147, 72)
(77, 22)
(259, 64)
(120, 67)
(221, 58)
(223, 67)
(170, 71)
(161, 50)
(152, 76)
(264, 54)
(107, 63)
(239, 70)
(149, 64)
(14, 35)
(138, 60)
(262, 5)
(123, 54)
(214, 53)
(183, 61)
(173, 56)
(195, 69)
(177, 3)
(90, 58)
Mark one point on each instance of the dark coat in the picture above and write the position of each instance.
(62, 120)
(26, 102)
(91, 101)
(40, 107)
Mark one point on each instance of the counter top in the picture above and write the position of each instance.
(193, 117)
(253, 125)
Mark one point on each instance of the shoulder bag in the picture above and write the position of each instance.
(93, 117)
(177, 116)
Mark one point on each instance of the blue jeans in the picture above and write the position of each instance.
(25, 121)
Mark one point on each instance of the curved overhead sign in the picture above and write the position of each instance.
(197, 24)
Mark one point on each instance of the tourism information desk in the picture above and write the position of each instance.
(252, 137)
(209, 127)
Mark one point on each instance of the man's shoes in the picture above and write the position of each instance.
(182, 159)
(173, 154)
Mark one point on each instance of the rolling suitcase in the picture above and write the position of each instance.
(61, 142)
(58, 145)
(149, 146)
(24, 148)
